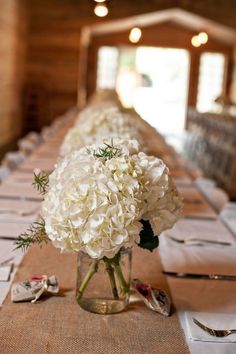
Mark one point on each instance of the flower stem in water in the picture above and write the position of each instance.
(110, 272)
(123, 285)
(92, 270)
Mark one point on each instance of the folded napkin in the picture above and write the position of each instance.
(212, 230)
(195, 205)
(15, 218)
(12, 229)
(212, 320)
(228, 215)
(5, 271)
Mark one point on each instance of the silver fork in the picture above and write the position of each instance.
(214, 332)
(198, 241)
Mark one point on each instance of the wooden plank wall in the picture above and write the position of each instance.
(233, 80)
(53, 46)
(53, 56)
(13, 29)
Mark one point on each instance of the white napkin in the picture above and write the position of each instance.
(5, 271)
(44, 164)
(228, 215)
(19, 190)
(212, 320)
(19, 210)
(12, 229)
(204, 229)
(195, 205)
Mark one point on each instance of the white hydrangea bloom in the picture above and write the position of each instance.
(95, 204)
(161, 202)
(93, 125)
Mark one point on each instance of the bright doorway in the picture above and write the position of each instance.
(155, 82)
(152, 80)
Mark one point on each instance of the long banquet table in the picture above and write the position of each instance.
(58, 325)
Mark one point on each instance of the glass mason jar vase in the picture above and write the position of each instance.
(103, 285)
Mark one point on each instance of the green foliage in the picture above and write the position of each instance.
(147, 238)
(108, 151)
(41, 182)
(34, 234)
(114, 260)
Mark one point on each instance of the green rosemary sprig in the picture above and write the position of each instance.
(36, 233)
(107, 152)
(41, 182)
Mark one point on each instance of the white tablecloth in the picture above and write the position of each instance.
(201, 295)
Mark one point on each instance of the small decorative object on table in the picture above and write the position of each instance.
(32, 289)
(100, 201)
(155, 299)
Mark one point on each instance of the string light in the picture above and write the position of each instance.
(198, 40)
(195, 41)
(135, 35)
(101, 9)
(203, 37)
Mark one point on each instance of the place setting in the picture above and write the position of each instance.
(210, 327)
(6, 267)
(18, 191)
(195, 204)
(46, 164)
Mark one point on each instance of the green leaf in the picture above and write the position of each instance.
(41, 182)
(147, 238)
(35, 234)
(108, 151)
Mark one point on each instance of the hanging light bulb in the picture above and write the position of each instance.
(195, 41)
(100, 1)
(101, 10)
(203, 37)
(135, 35)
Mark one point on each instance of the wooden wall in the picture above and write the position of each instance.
(54, 35)
(222, 11)
(13, 28)
(54, 38)
(233, 80)
(45, 35)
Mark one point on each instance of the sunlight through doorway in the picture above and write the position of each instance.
(155, 82)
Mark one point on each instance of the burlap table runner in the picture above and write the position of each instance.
(58, 325)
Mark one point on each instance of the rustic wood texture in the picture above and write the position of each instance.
(233, 78)
(50, 76)
(12, 54)
(54, 35)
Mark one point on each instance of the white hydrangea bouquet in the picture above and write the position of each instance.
(101, 200)
(95, 123)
